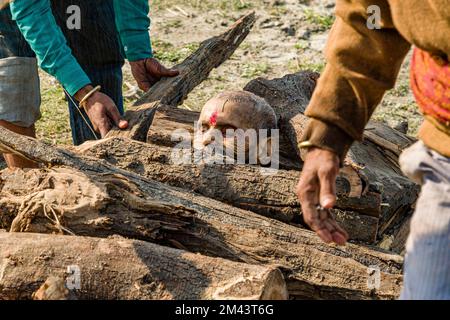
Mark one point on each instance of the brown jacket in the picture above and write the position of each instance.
(364, 63)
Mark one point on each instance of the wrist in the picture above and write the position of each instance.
(140, 62)
(83, 92)
(319, 134)
(85, 100)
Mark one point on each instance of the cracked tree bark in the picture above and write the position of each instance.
(269, 195)
(125, 269)
(312, 269)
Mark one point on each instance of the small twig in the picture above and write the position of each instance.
(176, 14)
(187, 15)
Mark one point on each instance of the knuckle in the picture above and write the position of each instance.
(327, 171)
(308, 187)
(307, 174)
(332, 167)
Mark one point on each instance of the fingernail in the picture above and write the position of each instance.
(123, 124)
(327, 202)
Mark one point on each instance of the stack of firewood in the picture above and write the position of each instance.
(138, 226)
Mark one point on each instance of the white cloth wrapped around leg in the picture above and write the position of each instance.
(427, 261)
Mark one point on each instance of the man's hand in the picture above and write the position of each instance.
(149, 71)
(317, 188)
(102, 111)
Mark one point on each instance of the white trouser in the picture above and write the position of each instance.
(427, 261)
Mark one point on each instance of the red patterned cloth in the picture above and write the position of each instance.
(430, 80)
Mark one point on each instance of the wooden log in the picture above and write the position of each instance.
(388, 138)
(54, 288)
(398, 192)
(289, 96)
(362, 226)
(312, 268)
(401, 237)
(66, 201)
(271, 195)
(193, 71)
(2, 163)
(128, 269)
(169, 120)
(375, 159)
(395, 238)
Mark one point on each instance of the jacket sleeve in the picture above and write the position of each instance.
(36, 22)
(362, 63)
(133, 24)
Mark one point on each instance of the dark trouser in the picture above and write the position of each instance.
(110, 78)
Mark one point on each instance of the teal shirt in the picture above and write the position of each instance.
(37, 24)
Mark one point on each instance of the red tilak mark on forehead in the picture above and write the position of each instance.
(213, 119)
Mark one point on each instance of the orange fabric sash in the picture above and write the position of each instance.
(430, 80)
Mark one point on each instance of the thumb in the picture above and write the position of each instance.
(115, 116)
(327, 181)
(144, 85)
(162, 71)
(173, 72)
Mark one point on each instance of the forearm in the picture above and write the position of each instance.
(133, 24)
(36, 22)
(362, 65)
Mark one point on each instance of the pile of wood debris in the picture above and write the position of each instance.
(138, 226)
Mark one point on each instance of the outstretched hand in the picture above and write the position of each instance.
(317, 193)
(149, 71)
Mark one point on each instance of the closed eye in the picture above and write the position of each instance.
(205, 127)
(224, 129)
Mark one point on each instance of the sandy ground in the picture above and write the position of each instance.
(289, 36)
